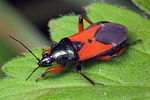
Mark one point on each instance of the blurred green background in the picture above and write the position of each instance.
(27, 21)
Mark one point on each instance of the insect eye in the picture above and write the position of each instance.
(45, 55)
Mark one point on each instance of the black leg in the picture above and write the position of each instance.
(78, 68)
(134, 42)
(52, 43)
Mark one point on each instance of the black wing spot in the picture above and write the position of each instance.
(78, 45)
(89, 41)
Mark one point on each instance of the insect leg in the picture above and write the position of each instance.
(51, 70)
(112, 54)
(80, 23)
(52, 43)
(134, 42)
(78, 68)
(86, 18)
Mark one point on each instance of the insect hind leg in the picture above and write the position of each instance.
(135, 42)
(78, 68)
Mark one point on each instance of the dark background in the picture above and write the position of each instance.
(39, 12)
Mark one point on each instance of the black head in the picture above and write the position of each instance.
(44, 62)
(46, 59)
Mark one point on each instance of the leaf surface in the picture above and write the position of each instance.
(127, 77)
(143, 4)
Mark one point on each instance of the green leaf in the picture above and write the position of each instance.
(127, 77)
(143, 4)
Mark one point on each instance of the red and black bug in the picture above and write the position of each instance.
(103, 40)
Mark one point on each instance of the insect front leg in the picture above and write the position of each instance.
(52, 43)
(51, 70)
(78, 68)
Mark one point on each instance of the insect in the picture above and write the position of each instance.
(103, 40)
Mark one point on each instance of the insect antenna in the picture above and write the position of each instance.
(32, 72)
(30, 52)
(25, 47)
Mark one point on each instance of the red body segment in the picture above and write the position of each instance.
(85, 34)
(92, 48)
